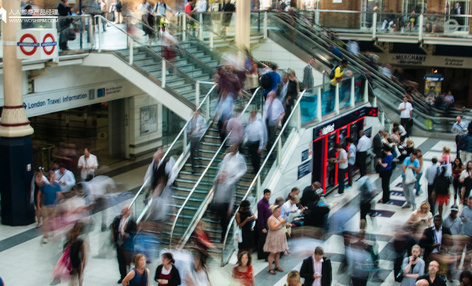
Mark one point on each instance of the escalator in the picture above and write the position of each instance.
(388, 94)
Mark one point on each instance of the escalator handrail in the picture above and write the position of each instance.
(203, 174)
(375, 73)
(149, 50)
(254, 181)
(166, 154)
(346, 54)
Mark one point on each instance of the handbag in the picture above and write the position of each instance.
(63, 266)
(410, 177)
(238, 236)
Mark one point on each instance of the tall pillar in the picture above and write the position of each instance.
(243, 24)
(16, 148)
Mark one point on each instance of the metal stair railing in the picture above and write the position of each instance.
(194, 220)
(178, 145)
(257, 181)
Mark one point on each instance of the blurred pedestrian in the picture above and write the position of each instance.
(38, 181)
(139, 275)
(243, 273)
(49, 196)
(256, 135)
(363, 146)
(411, 166)
(430, 175)
(235, 129)
(453, 222)
(167, 273)
(308, 80)
(368, 191)
(273, 114)
(202, 243)
(198, 274)
(441, 189)
(195, 129)
(223, 201)
(432, 239)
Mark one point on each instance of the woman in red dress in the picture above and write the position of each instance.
(242, 273)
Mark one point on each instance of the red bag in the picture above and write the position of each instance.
(63, 267)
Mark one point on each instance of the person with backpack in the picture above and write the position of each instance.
(441, 189)
(116, 7)
(270, 80)
(336, 75)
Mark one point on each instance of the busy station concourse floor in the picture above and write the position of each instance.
(25, 260)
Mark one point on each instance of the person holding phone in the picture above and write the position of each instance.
(420, 219)
(412, 267)
(245, 220)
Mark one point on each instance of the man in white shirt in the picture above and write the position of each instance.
(87, 164)
(406, 119)
(160, 11)
(342, 168)
(290, 209)
(256, 139)
(459, 128)
(351, 160)
(233, 165)
(273, 114)
(146, 16)
(64, 178)
(363, 146)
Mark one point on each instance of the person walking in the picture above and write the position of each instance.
(431, 174)
(351, 160)
(406, 111)
(386, 172)
(308, 80)
(256, 138)
(459, 128)
(195, 129)
(410, 167)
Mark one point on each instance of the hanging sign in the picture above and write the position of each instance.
(37, 44)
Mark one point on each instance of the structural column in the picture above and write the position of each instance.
(243, 24)
(16, 149)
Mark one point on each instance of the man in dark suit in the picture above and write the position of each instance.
(433, 238)
(377, 142)
(123, 229)
(308, 193)
(317, 267)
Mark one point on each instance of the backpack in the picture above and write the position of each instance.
(266, 81)
(118, 5)
(333, 72)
